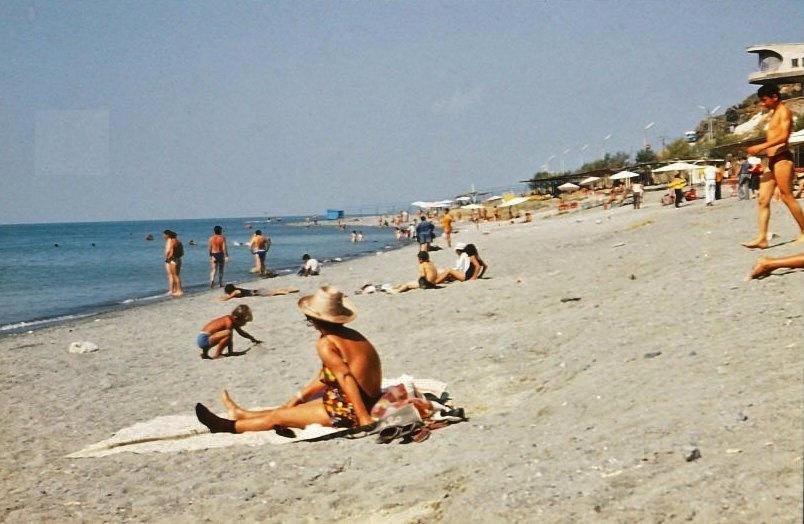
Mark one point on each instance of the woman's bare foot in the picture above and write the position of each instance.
(761, 243)
(232, 408)
(761, 269)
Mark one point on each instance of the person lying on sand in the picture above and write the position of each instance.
(468, 259)
(217, 333)
(427, 275)
(340, 395)
(238, 292)
(765, 265)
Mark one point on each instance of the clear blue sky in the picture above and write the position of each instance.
(136, 110)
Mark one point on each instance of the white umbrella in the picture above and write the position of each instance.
(493, 198)
(589, 180)
(624, 174)
(514, 202)
(568, 187)
(443, 203)
(677, 166)
(423, 205)
(463, 199)
(473, 206)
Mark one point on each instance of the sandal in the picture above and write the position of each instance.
(363, 431)
(391, 433)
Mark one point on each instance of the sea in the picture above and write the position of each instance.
(50, 273)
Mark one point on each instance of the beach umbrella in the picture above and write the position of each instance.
(624, 174)
(568, 187)
(677, 166)
(589, 180)
(493, 198)
(515, 201)
(472, 206)
(423, 205)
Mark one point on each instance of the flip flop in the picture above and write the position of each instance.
(450, 415)
(420, 435)
(363, 431)
(391, 433)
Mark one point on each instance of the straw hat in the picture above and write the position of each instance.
(329, 305)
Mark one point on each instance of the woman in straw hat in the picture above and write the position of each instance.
(343, 392)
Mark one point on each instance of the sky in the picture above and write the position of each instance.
(159, 110)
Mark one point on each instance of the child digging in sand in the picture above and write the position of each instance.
(218, 332)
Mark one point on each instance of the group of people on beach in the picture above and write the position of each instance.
(218, 249)
(347, 386)
(776, 178)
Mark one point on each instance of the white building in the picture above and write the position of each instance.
(780, 63)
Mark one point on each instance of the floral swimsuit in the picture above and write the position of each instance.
(341, 412)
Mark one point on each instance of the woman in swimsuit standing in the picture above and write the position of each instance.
(340, 395)
(173, 253)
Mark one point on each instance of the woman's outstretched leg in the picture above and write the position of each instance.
(238, 413)
(299, 416)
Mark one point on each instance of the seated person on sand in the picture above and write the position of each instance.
(233, 291)
(765, 265)
(218, 333)
(469, 267)
(616, 194)
(427, 275)
(340, 395)
(310, 266)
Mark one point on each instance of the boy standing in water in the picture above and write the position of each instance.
(218, 255)
(217, 333)
(780, 165)
(259, 246)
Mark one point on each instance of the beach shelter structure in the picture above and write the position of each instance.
(694, 170)
(493, 198)
(589, 180)
(473, 206)
(569, 186)
(421, 204)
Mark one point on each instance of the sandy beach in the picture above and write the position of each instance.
(579, 411)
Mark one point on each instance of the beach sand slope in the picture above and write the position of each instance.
(580, 410)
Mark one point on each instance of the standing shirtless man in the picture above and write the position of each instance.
(259, 246)
(780, 164)
(218, 255)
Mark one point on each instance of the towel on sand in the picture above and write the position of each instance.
(172, 433)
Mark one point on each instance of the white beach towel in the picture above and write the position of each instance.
(173, 433)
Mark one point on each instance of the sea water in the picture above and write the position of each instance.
(53, 272)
